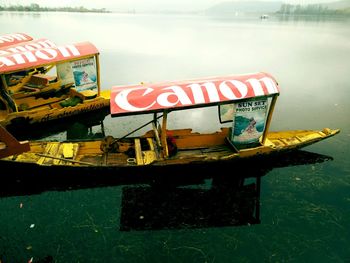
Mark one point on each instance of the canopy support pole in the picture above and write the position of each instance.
(269, 118)
(98, 75)
(155, 130)
(139, 128)
(164, 135)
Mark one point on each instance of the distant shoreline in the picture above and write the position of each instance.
(37, 8)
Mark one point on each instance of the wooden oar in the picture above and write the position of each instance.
(63, 159)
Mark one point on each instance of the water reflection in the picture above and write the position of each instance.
(231, 198)
(312, 18)
(228, 202)
(196, 198)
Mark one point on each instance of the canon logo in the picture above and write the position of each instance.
(45, 54)
(29, 46)
(144, 98)
(14, 38)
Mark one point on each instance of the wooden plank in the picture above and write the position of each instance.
(66, 151)
(50, 150)
(138, 151)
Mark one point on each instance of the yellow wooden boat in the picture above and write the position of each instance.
(42, 82)
(245, 104)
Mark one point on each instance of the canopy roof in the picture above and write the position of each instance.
(155, 97)
(27, 46)
(47, 53)
(13, 39)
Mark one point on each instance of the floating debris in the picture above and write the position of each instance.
(32, 225)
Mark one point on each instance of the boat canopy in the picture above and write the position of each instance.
(27, 46)
(154, 97)
(49, 54)
(13, 39)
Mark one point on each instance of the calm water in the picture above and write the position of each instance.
(304, 209)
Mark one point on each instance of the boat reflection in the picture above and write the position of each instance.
(30, 183)
(226, 203)
(225, 200)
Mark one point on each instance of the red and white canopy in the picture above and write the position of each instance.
(13, 39)
(27, 46)
(47, 54)
(154, 97)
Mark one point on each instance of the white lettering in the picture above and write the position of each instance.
(257, 87)
(163, 99)
(4, 61)
(20, 57)
(65, 51)
(177, 95)
(270, 85)
(198, 92)
(46, 53)
(4, 39)
(28, 47)
(238, 91)
(16, 49)
(34, 55)
(12, 37)
(122, 99)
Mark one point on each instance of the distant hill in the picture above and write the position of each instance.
(343, 4)
(233, 7)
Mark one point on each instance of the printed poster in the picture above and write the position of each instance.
(65, 73)
(249, 122)
(80, 72)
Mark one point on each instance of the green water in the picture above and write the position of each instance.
(299, 210)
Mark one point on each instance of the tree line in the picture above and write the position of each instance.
(314, 9)
(37, 8)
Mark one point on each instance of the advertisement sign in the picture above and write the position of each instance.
(147, 97)
(249, 122)
(80, 72)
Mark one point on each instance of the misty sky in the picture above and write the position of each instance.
(141, 5)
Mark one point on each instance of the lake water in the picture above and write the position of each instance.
(303, 212)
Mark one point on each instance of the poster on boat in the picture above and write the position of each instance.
(80, 72)
(249, 122)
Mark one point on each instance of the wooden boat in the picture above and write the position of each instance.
(31, 182)
(245, 104)
(42, 82)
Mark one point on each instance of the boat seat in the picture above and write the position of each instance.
(41, 80)
(57, 152)
(83, 95)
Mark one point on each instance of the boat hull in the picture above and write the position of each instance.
(40, 162)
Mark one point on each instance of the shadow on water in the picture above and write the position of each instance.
(29, 182)
(229, 202)
(198, 197)
(226, 200)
